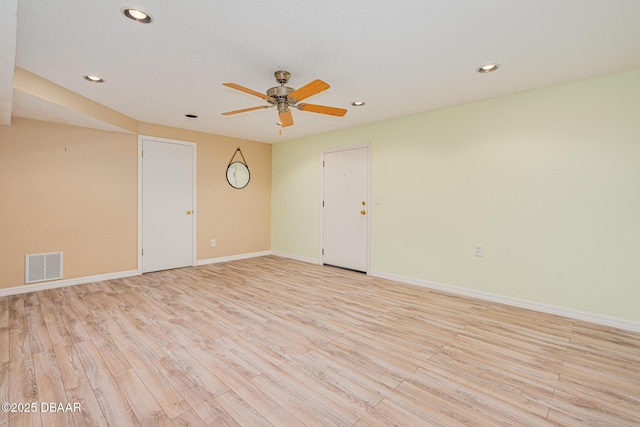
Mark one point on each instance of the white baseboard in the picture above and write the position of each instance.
(544, 308)
(65, 282)
(232, 258)
(297, 257)
(109, 276)
(628, 325)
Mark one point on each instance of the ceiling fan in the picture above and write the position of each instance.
(285, 97)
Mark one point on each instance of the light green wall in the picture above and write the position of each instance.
(547, 181)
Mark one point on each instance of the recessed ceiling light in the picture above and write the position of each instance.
(136, 15)
(93, 79)
(487, 68)
(358, 103)
(191, 116)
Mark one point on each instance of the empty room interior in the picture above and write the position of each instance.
(329, 213)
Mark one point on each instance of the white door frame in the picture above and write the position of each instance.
(354, 147)
(194, 193)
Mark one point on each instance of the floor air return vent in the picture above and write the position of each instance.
(41, 267)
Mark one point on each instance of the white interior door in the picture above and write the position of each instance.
(345, 215)
(167, 204)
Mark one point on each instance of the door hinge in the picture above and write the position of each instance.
(142, 153)
(323, 203)
(142, 252)
(323, 252)
(323, 163)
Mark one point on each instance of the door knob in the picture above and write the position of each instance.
(363, 212)
(188, 212)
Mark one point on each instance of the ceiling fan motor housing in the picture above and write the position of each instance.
(280, 92)
(279, 96)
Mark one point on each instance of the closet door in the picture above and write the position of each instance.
(168, 222)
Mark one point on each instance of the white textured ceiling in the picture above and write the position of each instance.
(402, 58)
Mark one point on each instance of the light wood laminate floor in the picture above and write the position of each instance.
(271, 341)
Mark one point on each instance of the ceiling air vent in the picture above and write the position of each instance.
(41, 267)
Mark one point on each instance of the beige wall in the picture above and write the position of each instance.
(547, 181)
(71, 189)
(239, 220)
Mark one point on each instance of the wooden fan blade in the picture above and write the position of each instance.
(286, 119)
(333, 111)
(244, 110)
(311, 89)
(246, 90)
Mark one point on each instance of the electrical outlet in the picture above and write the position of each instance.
(213, 242)
(477, 250)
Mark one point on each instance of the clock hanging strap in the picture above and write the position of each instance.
(241, 155)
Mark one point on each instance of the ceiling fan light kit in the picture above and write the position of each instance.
(284, 98)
